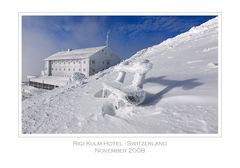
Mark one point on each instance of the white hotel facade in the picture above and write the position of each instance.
(59, 67)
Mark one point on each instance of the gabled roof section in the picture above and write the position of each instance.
(74, 54)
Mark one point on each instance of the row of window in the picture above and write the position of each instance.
(68, 69)
(68, 62)
(108, 63)
(74, 62)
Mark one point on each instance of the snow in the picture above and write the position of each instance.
(75, 54)
(78, 78)
(181, 93)
(127, 95)
(139, 68)
(51, 80)
(29, 91)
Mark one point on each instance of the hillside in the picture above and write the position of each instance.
(182, 93)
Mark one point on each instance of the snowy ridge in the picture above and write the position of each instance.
(192, 34)
(181, 93)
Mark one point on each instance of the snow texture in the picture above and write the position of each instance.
(30, 91)
(181, 93)
(78, 78)
(139, 68)
(75, 54)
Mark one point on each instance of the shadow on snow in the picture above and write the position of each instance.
(152, 99)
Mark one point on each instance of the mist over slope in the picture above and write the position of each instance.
(182, 93)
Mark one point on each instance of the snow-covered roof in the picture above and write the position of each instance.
(74, 54)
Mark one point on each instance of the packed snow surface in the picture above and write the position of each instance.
(181, 93)
(29, 91)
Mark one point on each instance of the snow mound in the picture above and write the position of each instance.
(212, 65)
(140, 66)
(78, 78)
(134, 96)
(108, 108)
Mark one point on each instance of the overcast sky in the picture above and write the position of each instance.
(45, 35)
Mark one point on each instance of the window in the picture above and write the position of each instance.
(59, 69)
(79, 70)
(74, 62)
(93, 61)
(84, 62)
(93, 70)
(73, 69)
(69, 69)
(55, 69)
(84, 69)
(63, 69)
(103, 62)
(108, 62)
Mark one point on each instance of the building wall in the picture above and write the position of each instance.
(101, 60)
(85, 67)
(65, 68)
(47, 67)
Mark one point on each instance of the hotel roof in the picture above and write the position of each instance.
(74, 54)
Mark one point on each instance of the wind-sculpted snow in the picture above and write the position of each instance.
(78, 77)
(181, 93)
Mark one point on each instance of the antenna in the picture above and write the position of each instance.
(107, 38)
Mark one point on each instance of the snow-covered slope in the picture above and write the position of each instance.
(182, 93)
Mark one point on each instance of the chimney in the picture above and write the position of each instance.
(107, 39)
(69, 49)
